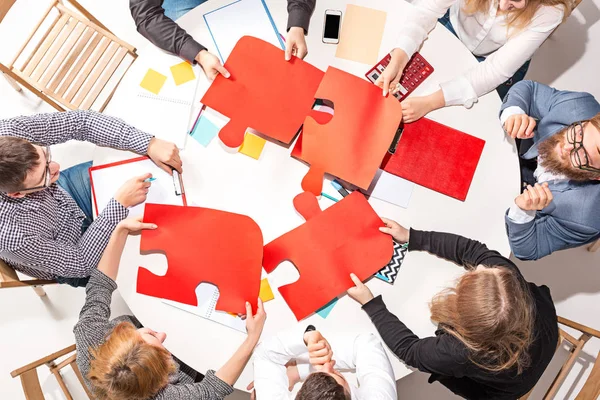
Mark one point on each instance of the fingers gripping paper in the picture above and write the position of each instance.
(264, 92)
(436, 156)
(352, 145)
(201, 246)
(332, 243)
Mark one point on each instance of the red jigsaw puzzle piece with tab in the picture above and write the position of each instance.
(264, 92)
(352, 145)
(203, 245)
(343, 239)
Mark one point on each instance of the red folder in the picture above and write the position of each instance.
(436, 156)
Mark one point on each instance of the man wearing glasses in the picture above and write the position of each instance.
(46, 228)
(558, 207)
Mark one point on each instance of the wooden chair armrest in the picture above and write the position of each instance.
(579, 327)
(43, 361)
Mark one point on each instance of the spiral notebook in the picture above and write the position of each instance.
(207, 296)
(166, 117)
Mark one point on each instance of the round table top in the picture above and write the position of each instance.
(216, 177)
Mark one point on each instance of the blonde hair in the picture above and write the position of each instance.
(126, 367)
(519, 18)
(492, 312)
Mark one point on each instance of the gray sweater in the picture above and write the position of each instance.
(154, 25)
(94, 326)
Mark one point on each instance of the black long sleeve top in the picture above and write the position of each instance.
(444, 356)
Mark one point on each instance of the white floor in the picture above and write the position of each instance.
(32, 327)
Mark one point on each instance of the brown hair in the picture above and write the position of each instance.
(519, 18)
(492, 312)
(557, 165)
(17, 158)
(322, 386)
(126, 367)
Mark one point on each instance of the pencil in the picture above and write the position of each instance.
(329, 197)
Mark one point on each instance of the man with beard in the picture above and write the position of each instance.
(560, 154)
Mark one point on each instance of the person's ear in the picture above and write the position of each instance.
(16, 195)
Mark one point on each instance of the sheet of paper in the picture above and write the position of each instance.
(106, 182)
(266, 293)
(205, 130)
(208, 295)
(253, 145)
(361, 34)
(153, 81)
(391, 188)
(239, 18)
(324, 312)
(182, 73)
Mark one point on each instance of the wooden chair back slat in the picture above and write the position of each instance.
(591, 388)
(87, 69)
(61, 56)
(95, 73)
(70, 60)
(47, 42)
(53, 50)
(66, 84)
(31, 385)
(108, 72)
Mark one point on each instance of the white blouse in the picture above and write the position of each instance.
(484, 34)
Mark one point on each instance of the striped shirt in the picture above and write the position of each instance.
(40, 234)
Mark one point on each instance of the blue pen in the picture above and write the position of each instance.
(150, 179)
(329, 197)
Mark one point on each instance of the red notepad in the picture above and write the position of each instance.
(436, 156)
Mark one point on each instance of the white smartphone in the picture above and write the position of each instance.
(331, 27)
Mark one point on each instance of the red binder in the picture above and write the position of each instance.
(436, 156)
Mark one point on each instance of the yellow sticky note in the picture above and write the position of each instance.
(182, 73)
(265, 293)
(252, 146)
(361, 35)
(153, 81)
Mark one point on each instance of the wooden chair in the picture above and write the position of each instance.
(591, 388)
(31, 382)
(72, 62)
(9, 279)
(594, 246)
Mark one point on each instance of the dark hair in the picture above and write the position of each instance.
(17, 158)
(322, 386)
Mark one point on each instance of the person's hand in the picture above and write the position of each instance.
(360, 292)
(255, 323)
(295, 43)
(135, 224)
(520, 126)
(165, 155)
(414, 108)
(397, 231)
(391, 75)
(535, 197)
(319, 352)
(134, 191)
(252, 391)
(211, 65)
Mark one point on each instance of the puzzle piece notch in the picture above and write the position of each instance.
(342, 239)
(199, 247)
(264, 92)
(352, 145)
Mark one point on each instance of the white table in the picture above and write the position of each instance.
(217, 178)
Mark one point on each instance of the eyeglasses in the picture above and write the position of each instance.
(579, 155)
(46, 172)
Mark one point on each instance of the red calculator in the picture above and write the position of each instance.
(415, 72)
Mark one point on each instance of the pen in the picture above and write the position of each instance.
(150, 179)
(177, 183)
(341, 190)
(329, 197)
(394, 144)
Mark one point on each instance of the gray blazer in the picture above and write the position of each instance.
(154, 25)
(573, 217)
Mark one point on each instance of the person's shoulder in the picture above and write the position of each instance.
(548, 14)
(451, 348)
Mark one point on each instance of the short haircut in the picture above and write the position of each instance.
(126, 367)
(17, 158)
(322, 386)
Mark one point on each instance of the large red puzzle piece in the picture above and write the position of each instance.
(436, 156)
(264, 92)
(331, 244)
(352, 145)
(200, 247)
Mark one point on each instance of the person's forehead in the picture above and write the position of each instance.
(590, 128)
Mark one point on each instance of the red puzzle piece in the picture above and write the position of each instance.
(436, 156)
(264, 92)
(200, 247)
(352, 145)
(331, 244)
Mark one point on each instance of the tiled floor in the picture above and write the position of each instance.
(31, 327)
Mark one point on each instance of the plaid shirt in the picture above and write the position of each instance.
(40, 234)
